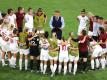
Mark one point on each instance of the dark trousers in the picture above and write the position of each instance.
(20, 29)
(58, 32)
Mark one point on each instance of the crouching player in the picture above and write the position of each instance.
(44, 57)
(24, 48)
(73, 55)
(53, 55)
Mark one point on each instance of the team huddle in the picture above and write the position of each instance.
(23, 39)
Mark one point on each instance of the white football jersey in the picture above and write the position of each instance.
(44, 45)
(29, 21)
(83, 21)
(63, 48)
(12, 19)
(14, 42)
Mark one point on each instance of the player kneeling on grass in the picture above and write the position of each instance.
(63, 55)
(14, 47)
(44, 56)
(24, 48)
(53, 55)
(73, 55)
(34, 50)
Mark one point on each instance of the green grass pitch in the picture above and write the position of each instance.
(70, 9)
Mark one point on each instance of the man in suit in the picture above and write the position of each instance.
(57, 24)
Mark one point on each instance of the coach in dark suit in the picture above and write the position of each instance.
(57, 24)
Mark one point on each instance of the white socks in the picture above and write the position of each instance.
(92, 64)
(41, 67)
(9, 61)
(26, 64)
(75, 69)
(97, 63)
(70, 67)
(20, 64)
(65, 70)
(52, 68)
(14, 61)
(59, 68)
(45, 67)
(103, 63)
(106, 60)
(3, 62)
(55, 67)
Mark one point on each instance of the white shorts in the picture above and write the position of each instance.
(14, 49)
(24, 51)
(53, 58)
(40, 31)
(5, 48)
(73, 58)
(97, 52)
(44, 55)
(29, 27)
(63, 57)
(103, 51)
